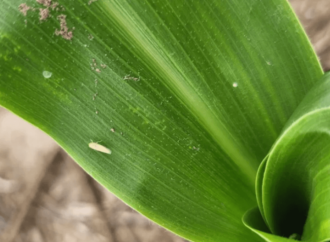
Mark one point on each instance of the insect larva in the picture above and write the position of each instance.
(100, 148)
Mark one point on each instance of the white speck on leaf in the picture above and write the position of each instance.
(235, 84)
(47, 74)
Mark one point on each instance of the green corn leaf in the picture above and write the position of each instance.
(254, 221)
(189, 96)
(294, 180)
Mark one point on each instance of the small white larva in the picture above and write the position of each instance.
(100, 148)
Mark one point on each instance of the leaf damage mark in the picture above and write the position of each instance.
(46, 3)
(94, 96)
(90, 37)
(54, 6)
(129, 77)
(94, 66)
(64, 31)
(43, 13)
(24, 8)
(91, 1)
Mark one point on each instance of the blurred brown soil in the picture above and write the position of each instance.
(315, 18)
(45, 196)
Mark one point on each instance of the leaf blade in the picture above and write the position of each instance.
(182, 100)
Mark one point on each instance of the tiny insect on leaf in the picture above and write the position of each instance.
(98, 147)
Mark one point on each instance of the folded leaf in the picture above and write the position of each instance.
(254, 221)
(295, 179)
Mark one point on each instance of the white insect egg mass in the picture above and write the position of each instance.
(47, 74)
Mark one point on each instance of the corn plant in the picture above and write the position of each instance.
(210, 118)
